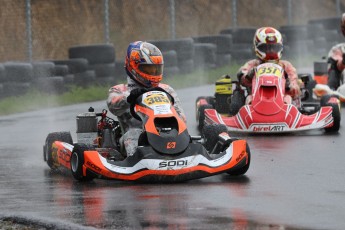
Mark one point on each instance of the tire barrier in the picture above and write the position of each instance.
(184, 48)
(205, 55)
(96, 63)
(94, 54)
(101, 60)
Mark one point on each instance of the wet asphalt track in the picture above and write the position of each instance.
(295, 181)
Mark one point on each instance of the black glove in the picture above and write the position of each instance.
(171, 98)
(249, 76)
(135, 93)
(239, 76)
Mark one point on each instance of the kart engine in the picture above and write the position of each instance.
(87, 131)
(223, 94)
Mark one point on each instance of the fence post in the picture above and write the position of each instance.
(172, 19)
(106, 21)
(28, 29)
(234, 13)
(337, 6)
(289, 10)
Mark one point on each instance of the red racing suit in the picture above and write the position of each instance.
(248, 67)
(336, 53)
(131, 127)
(336, 65)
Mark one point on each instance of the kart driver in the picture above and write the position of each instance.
(336, 60)
(268, 46)
(144, 66)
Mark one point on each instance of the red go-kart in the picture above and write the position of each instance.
(268, 109)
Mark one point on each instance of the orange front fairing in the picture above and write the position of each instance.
(150, 116)
(184, 168)
(321, 79)
(156, 104)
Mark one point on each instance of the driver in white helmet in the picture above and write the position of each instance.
(268, 45)
(336, 60)
(144, 67)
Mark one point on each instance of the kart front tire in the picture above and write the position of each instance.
(201, 115)
(237, 101)
(210, 134)
(244, 169)
(335, 113)
(47, 148)
(77, 161)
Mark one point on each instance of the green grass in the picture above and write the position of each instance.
(35, 100)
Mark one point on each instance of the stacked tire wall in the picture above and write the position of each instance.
(96, 64)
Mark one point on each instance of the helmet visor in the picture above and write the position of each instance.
(151, 69)
(270, 48)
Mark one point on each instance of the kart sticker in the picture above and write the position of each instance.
(269, 69)
(158, 102)
(156, 99)
(280, 127)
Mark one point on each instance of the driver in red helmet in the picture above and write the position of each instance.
(336, 60)
(144, 67)
(268, 45)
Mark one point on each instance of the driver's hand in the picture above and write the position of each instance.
(343, 61)
(249, 76)
(135, 93)
(294, 90)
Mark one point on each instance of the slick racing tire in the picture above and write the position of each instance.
(201, 115)
(237, 101)
(244, 169)
(333, 79)
(335, 112)
(210, 134)
(47, 148)
(77, 161)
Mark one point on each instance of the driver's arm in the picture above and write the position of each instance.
(291, 72)
(117, 100)
(245, 73)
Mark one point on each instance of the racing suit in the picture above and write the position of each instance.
(248, 69)
(336, 60)
(131, 127)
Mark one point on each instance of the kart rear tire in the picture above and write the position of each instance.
(77, 161)
(201, 115)
(210, 134)
(335, 113)
(237, 101)
(334, 79)
(245, 168)
(47, 148)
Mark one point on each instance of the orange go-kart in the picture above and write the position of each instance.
(165, 153)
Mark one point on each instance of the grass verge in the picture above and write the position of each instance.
(35, 100)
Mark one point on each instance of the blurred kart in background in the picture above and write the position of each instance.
(267, 109)
(321, 79)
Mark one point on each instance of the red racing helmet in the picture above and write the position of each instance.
(268, 44)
